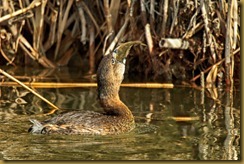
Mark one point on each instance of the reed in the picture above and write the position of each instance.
(28, 88)
(85, 85)
(63, 32)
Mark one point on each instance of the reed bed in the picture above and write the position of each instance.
(184, 38)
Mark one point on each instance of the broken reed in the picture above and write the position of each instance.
(28, 88)
(195, 35)
(84, 85)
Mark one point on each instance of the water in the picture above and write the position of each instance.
(172, 124)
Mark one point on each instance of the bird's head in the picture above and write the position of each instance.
(111, 69)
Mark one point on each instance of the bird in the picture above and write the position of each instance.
(116, 117)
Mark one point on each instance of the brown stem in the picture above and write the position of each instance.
(108, 17)
(91, 50)
(29, 89)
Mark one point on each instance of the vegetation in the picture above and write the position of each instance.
(185, 38)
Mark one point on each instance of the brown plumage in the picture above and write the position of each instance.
(116, 118)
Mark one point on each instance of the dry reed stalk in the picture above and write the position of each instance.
(212, 76)
(148, 34)
(228, 46)
(91, 50)
(209, 36)
(235, 24)
(230, 41)
(10, 61)
(59, 28)
(105, 42)
(108, 17)
(152, 16)
(66, 50)
(34, 54)
(176, 10)
(202, 80)
(93, 19)
(27, 88)
(216, 64)
(52, 33)
(22, 41)
(5, 6)
(34, 4)
(114, 9)
(62, 23)
(4, 36)
(83, 22)
(68, 37)
(179, 119)
(117, 37)
(67, 42)
(85, 85)
(148, 85)
(38, 26)
(165, 17)
(149, 39)
(15, 31)
(222, 7)
(193, 27)
(189, 33)
(64, 60)
(51, 84)
(143, 12)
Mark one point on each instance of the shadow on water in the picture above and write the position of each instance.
(172, 124)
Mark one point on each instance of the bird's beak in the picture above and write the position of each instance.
(123, 50)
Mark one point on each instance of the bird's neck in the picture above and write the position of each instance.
(108, 96)
(114, 106)
(108, 90)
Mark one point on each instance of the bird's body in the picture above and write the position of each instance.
(82, 122)
(116, 118)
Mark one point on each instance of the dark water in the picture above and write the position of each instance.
(172, 124)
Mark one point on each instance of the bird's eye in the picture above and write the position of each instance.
(113, 60)
(115, 51)
(124, 61)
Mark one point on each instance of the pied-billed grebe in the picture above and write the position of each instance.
(117, 118)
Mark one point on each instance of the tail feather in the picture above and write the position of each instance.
(37, 127)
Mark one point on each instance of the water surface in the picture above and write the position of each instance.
(172, 124)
